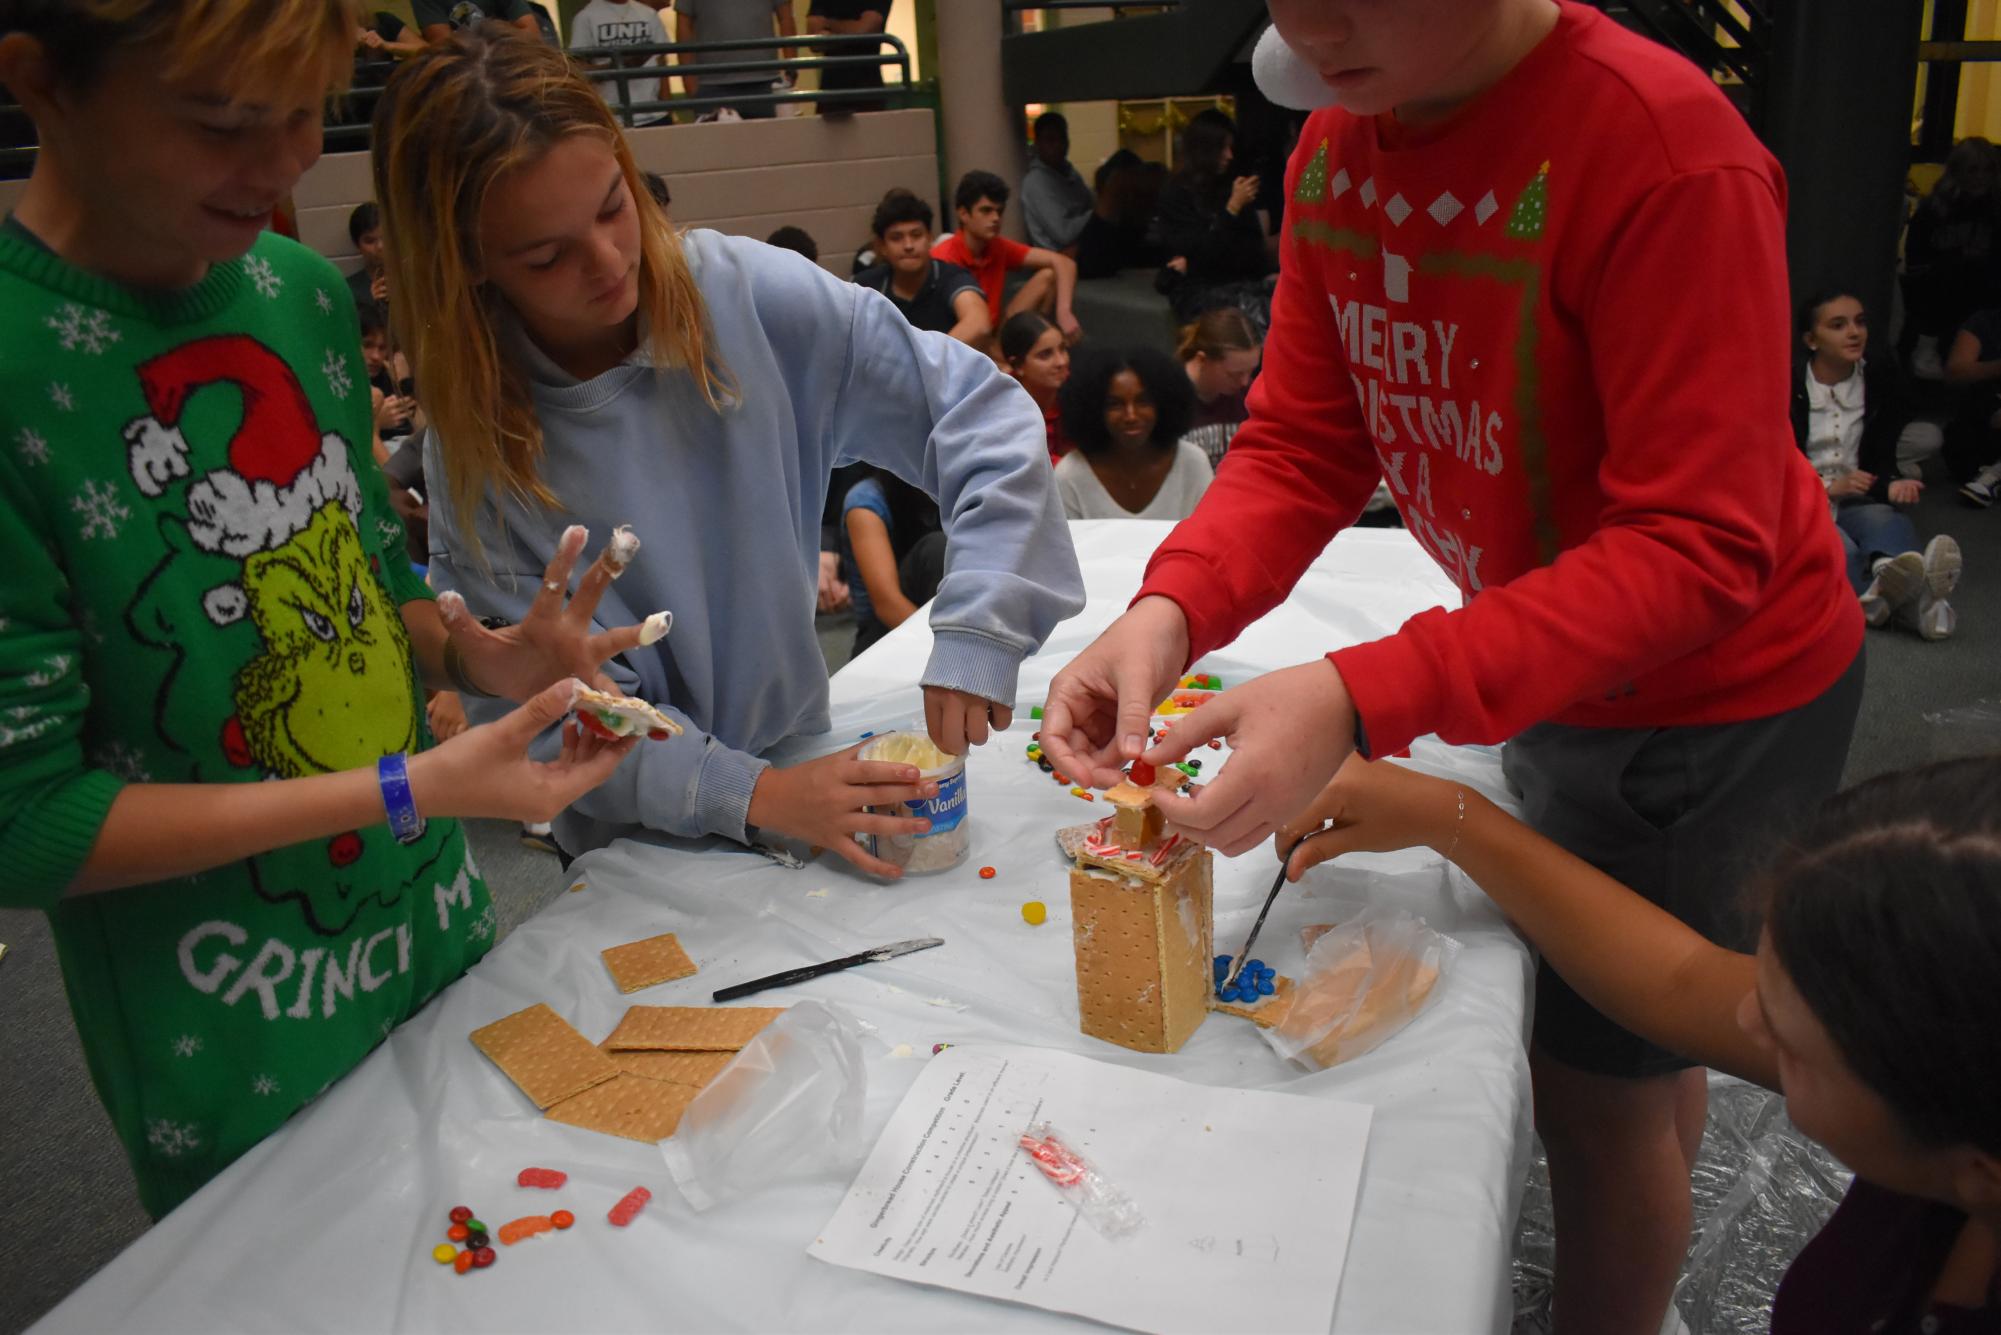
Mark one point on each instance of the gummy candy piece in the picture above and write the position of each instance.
(937, 1048)
(1142, 774)
(1229, 994)
(1035, 712)
(1079, 792)
(1266, 987)
(987, 873)
(629, 1207)
(1034, 913)
(590, 722)
(542, 1177)
(527, 1226)
(562, 1219)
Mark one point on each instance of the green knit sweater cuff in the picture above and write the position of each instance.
(50, 845)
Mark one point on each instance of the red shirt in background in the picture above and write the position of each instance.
(1003, 256)
(1557, 325)
(1052, 427)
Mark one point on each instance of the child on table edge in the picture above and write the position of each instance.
(212, 648)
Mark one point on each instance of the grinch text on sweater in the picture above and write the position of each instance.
(299, 983)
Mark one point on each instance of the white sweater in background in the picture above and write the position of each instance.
(1084, 497)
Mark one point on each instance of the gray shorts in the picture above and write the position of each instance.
(1683, 815)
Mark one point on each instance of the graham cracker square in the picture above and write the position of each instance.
(690, 1028)
(542, 1054)
(694, 1069)
(627, 1105)
(657, 959)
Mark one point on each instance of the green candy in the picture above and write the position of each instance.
(1035, 712)
(474, 1226)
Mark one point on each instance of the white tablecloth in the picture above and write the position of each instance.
(328, 1225)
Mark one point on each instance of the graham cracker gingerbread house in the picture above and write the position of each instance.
(1141, 906)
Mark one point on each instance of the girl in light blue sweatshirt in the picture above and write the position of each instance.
(584, 365)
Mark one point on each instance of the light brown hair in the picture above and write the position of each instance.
(1216, 334)
(452, 121)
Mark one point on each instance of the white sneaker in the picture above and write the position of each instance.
(1898, 582)
(1984, 487)
(1932, 618)
(1942, 565)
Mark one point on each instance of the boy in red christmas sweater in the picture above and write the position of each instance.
(1515, 234)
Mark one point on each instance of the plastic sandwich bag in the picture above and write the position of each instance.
(1970, 730)
(789, 1107)
(1363, 981)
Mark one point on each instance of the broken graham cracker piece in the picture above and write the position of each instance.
(1265, 1012)
(690, 1028)
(695, 1069)
(657, 959)
(543, 1055)
(1136, 821)
(627, 1105)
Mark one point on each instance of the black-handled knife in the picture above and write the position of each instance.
(800, 975)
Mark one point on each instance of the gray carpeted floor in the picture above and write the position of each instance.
(69, 1196)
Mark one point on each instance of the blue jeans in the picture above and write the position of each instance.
(1870, 529)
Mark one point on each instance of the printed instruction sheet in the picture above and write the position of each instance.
(1247, 1196)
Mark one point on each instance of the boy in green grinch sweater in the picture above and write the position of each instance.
(212, 653)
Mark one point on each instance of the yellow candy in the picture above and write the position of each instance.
(1034, 913)
(444, 1253)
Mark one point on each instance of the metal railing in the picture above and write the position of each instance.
(347, 127)
(1710, 33)
(1025, 6)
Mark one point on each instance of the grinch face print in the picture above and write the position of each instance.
(332, 689)
(267, 571)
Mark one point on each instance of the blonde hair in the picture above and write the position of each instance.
(452, 121)
(1215, 334)
(258, 46)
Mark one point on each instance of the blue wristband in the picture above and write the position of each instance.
(393, 773)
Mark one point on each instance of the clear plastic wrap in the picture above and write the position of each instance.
(1970, 730)
(1104, 1207)
(1363, 981)
(789, 1106)
(1762, 1190)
